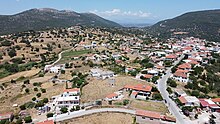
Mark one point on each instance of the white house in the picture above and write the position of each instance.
(69, 98)
(54, 69)
(101, 74)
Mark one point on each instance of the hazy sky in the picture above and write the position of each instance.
(122, 11)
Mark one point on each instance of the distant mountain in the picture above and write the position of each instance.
(203, 24)
(37, 19)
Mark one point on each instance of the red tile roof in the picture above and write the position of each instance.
(182, 99)
(205, 103)
(171, 56)
(139, 87)
(185, 66)
(111, 95)
(182, 71)
(46, 122)
(148, 114)
(216, 100)
(193, 62)
(180, 74)
(148, 76)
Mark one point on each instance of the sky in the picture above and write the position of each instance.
(121, 11)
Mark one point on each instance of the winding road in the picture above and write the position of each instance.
(173, 108)
(80, 113)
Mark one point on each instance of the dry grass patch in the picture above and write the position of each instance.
(149, 106)
(98, 89)
(20, 74)
(102, 118)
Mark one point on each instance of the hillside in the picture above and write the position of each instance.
(202, 24)
(37, 19)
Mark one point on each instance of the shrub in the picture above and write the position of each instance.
(63, 71)
(22, 107)
(77, 107)
(41, 75)
(43, 90)
(171, 82)
(157, 96)
(64, 110)
(125, 102)
(19, 121)
(49, 115)
(38, 94)
(169, 90)
(27, 81)
(45, 100)
(34, 98)
(35, 89)
(39, 104)
(27, 90)
(28, 119)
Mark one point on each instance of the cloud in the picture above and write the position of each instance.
(118, 12)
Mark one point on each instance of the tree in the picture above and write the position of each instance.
(35, 89)
(12, 53)
(195, 93)
(155, 78)
(28, 119)
(43, 90)
(171, 82)
(49, 115)
(169, 90)
(64, 110)
(39, 104)
(157, 96)
(45, 100)
(22, 107)
(34, 98)
(38, 94)
(63, 71)
(19, 121)
(27, 90)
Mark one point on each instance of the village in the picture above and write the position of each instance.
(100, 71)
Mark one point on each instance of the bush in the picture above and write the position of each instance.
(169, 90)
(63, 71)
(171, 83)
(12, 53)
(157, 96)
(19, 121)
(41, 75)
(37, 84)
(28, 119)
(77, 108)
(43, 90)
(27, 90)
(64, 110)
(39, 104)
(49, 115)
(27, 81)
(195, 93)
(72, 109)
(35, 89)
(45, 100)
(34, 98)
(22, 107)
(38, 95)
(125, 102)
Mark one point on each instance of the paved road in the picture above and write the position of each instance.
(174, 109)
(71, 115)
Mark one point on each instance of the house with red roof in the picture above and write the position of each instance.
(171, 57)
(209, 104)
(180, 76)
(114, 96)
(189, 100)
(139, 91)
(185, 66)
(149, 117)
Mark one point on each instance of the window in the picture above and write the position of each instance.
(143, 117)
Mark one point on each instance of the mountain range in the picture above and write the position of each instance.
(37, 19)
(203, 24)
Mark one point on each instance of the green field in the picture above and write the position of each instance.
(4, 73)
(66, 56)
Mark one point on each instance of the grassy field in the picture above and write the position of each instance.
(66, 56)
(149, 106)
(102, 118)
(4, 73)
